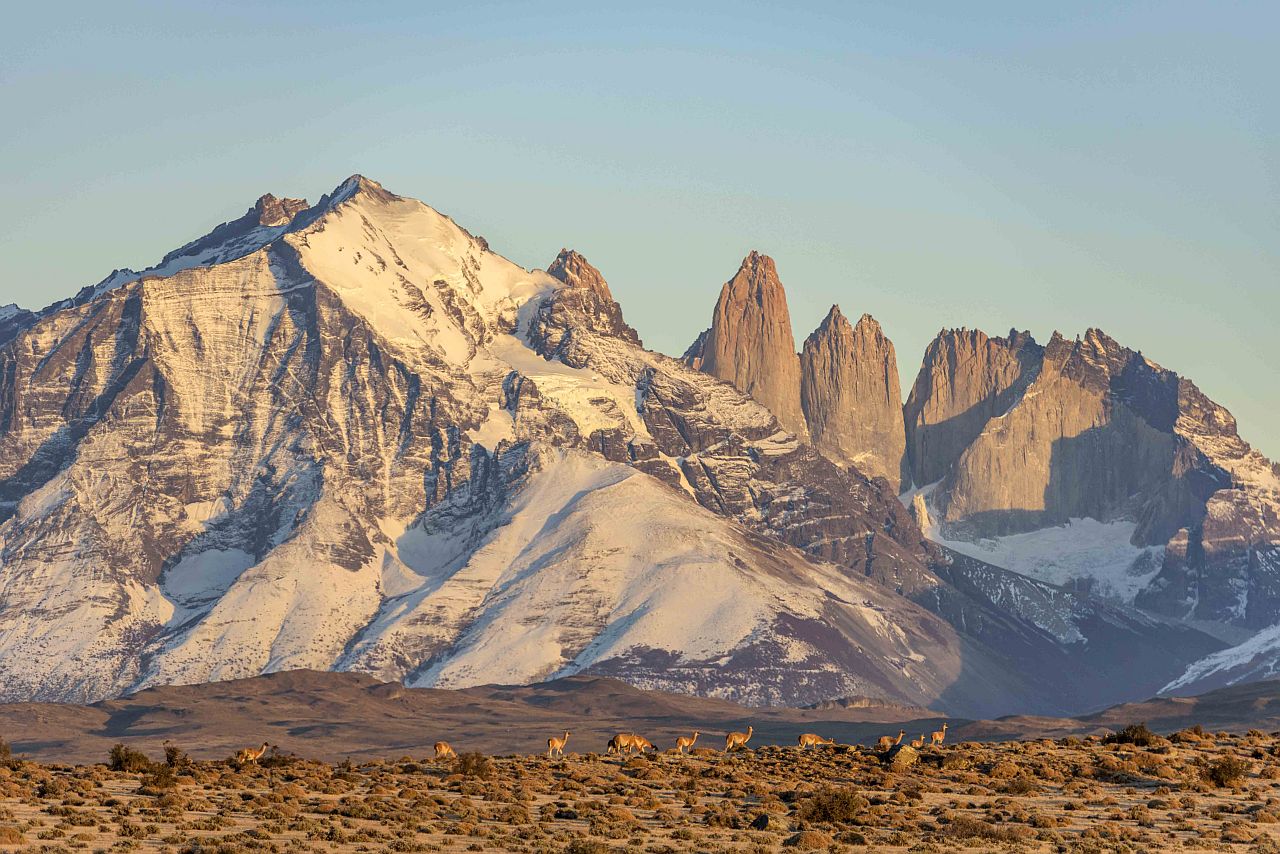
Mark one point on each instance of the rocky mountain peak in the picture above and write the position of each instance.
(851, 398)
(966, 378)
(576, 272)
(750, 343)
(272, 211)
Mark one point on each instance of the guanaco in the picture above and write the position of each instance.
(810, 739)
(640, 743)
(684, 743)
(734, 740)
(444, 751)
(918, 742)
(887, 741)
(556, 745)
(938, 735)
(250, 756)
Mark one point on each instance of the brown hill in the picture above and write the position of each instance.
(335, 715)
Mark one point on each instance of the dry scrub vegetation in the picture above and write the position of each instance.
(1132, 791)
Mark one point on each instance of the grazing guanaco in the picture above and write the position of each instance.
(250, 755)
(918, 743)
(629, 742)
(684, 743)
(938, 735)
(444, 751)
(556, 745)
(887, 741)
(810, 739)
(734, 740)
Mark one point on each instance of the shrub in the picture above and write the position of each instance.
(1227, 771)
(584, 846)
(831, 805)
(1135, 734)
(968, 827)
(475, 765)
(11, 836)
(175, 757)
(124, 758)
(161, 778)
(1020, 786)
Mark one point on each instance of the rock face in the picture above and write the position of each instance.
(574, 270)
(589, 300)
(851, 396)
(750, 343)
(966, 379)
(1102, 433)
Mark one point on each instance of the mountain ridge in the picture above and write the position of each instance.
(400, 453)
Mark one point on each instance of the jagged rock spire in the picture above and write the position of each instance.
(965, 379)
(576, 272)
(850, 394)
(750, 343)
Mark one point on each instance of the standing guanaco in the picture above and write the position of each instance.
(810, 739)
(250, 756)
(940, 734)
(556, 745)
(734, 740)
(444, 751)
(684, 743)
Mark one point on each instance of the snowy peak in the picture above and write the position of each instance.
(428, 286)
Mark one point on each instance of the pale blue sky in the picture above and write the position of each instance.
(989, 165)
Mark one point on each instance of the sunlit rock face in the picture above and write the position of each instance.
(851, 396)
(750, 344)
(965, 380)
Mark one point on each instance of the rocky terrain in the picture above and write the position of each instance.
(350, 436)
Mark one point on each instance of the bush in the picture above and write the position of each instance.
(1135, 734)
(11, 836)
(124, 758)
(968, 827)
(475, 765)
(1224, 772)
(1020, 786)
(161, 778)
(831, 805)
(175, 757)
(584, 846)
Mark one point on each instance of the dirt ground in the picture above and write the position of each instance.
(1194, 792)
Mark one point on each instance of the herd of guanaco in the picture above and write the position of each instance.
(629, 743)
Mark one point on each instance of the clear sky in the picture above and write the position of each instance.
(1039, 165)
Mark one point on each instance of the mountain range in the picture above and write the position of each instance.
(350, 436)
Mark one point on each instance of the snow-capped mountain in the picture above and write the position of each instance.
(350, 436)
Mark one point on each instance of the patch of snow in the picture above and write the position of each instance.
(1258, 657)
(1084, 550)
(201, 578)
